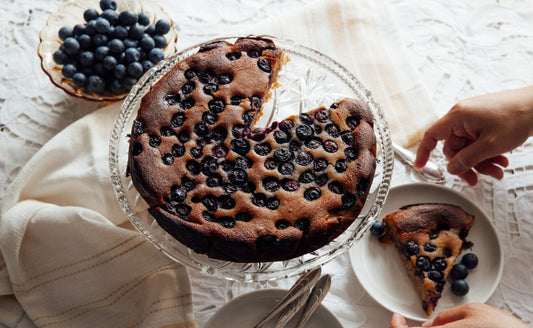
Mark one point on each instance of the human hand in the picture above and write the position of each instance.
(472, 315)
(478, 130)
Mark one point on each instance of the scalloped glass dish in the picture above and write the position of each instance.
(70, 14)
(308, 80)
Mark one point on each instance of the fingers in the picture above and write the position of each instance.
(438, 131)
(398, 321)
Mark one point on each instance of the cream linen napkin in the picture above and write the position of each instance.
(69, 258)
(362, 36)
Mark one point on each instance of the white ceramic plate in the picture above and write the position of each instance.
(382, 273)
(248, 309)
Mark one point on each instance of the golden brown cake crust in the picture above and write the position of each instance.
(435, 232)
(235, 193)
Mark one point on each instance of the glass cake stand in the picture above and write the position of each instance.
(308, 80)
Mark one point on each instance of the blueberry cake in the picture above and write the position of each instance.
(429, 238)
(238, 193)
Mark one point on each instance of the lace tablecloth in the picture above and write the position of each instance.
(460, 48)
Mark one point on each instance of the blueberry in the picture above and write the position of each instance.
(303, 158)
(162, 26)
(283, 154)
(143, 19)
(102, 25)
(303, 224)
(135, 69)
(129, 43)
(289, 185)
(85, 41)
(136, 32)
(71, 46)
(304, 132)
(156, 55)
(335, 187)
(470, 260)
(86, 58)
(65, 32)
(340, 166)
(240, 146)
(108, 4)
(115, 46)
(439, 263)
(150, 30)
(430, 248)
(127, 18)
(79, 80)
(101, 52)
(435, 275)
(262, 149)
(119, 71)
(99, 39)
(112, 17)
(147, 43)
(79, 29)
(348, 138)
(459, 271)
(410, 248)
(271, 184)
(146, 64)
(69, 70)
(320, 164)
(460, 287)
(109, 62)
(60, 57)
(286, 168)
(377, 229)
(132, 55)
(90, 14)
(129, 82)
(160, 41)
(423, 263)
(264, 65)
(237, 176)
(312, 193)
(95, 84)
(116, 87)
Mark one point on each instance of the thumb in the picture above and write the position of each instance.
(398, 321)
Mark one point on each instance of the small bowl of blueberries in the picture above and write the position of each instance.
(99, 49)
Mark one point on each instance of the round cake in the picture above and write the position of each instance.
(235, 192)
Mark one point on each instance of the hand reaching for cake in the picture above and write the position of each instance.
(478, 131)
(473, 315)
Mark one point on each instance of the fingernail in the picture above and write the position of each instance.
(427, 323)
(454, 167)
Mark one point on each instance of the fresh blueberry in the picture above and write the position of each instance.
(132, 55)
(135, 69)
(143, 19)
(79, 80)
(99, 39)
(71, 46)
(116, 87)
(111, 16)
(119, 71)
(162, 26)
(460, 287)
(470, 260)
(160, 41)
(147, 43)
(156, 55)
(79, 29)
(102, 25)
(129, 43)
(101, 52)
(459, 271)
(127, 18)
(95, 84)
(129, 82)
(69, 70)
(65, 32)
(90, 14)
(120, 32)
(146, 64)
(86, 58)
(116, 46)
(108, 4)
(136, 32)
(109, 62)
(60, 57)
(150, 30)
(377, 229)
(85, 41)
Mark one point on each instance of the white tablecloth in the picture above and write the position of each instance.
(459, 49)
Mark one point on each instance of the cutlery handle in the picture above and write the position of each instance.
(315, 298)
(430, 172)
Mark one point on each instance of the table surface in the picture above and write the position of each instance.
(460, 49)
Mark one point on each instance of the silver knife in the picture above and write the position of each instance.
(302, 285)
(315, 298)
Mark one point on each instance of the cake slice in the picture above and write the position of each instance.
(429, 238)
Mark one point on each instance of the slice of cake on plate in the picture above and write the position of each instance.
(429, 238)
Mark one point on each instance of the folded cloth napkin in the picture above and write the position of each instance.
(363, 37)
(70, 256)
